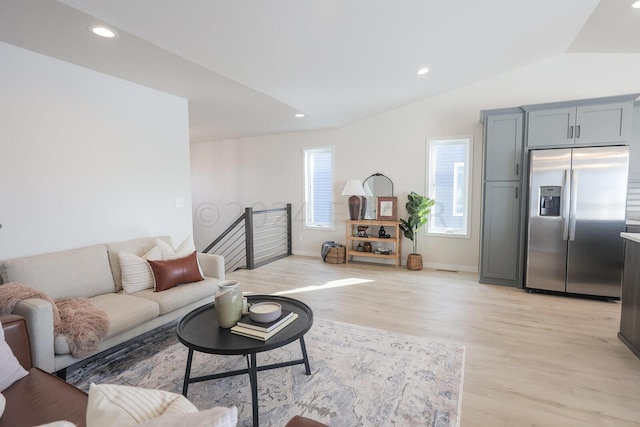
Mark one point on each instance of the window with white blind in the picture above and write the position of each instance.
(318, 187)
(449, 181)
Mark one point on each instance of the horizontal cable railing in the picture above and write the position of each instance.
(254, 239)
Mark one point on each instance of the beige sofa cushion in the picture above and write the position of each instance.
(137, 247)
(181, 295)
(82, 272)
(124, 311)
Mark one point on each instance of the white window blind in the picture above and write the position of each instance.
(318, 195)
(448, 181)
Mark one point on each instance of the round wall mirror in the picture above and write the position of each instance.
(376, 185)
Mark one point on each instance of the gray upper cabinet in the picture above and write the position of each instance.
(599, 123)
(551, 127)
(503, 147)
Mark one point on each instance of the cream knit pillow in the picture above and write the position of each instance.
(186, 248)
(118, 405)
(214, 417)
(136, 271)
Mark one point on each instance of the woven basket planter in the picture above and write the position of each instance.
(414, 262)
(336, 255)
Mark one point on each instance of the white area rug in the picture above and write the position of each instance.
(359, 377)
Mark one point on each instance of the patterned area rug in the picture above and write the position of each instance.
(359, 377)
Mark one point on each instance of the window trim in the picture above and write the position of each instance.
(456, 182)
(431, 143)
(306, 205)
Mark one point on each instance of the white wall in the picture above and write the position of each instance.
(86, 158)
(268, 170)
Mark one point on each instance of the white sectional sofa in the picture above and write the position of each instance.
(95, 272)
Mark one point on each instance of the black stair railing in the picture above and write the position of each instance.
(256, 238)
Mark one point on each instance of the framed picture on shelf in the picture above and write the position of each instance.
(387, 208)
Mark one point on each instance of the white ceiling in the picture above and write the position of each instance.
(247, 66)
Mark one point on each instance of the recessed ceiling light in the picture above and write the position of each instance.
(103, 31)
(636, 4)
(299, 115)
(422, 71)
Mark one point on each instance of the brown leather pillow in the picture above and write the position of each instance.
(171, 272)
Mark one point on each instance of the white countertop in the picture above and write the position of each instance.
(631, 236)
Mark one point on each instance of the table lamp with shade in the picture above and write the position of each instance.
(355, 190)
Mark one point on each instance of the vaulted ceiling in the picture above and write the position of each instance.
(247, 66)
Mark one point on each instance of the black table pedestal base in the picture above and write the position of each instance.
(252, 370)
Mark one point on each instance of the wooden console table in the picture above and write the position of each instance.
(353, 239)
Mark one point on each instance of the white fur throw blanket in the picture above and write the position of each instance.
(81, 322)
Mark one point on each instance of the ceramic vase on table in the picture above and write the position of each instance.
(228, 303)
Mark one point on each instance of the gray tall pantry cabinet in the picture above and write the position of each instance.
(501, 254)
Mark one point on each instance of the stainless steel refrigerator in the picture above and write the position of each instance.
(577, 209)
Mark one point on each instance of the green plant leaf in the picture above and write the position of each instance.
(419, 209)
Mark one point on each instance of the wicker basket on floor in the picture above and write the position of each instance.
(336, 255)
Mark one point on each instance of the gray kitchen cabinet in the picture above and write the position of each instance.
(630, 301)
(503, 147)
(501, 232)
(500, 259)
(634, 147)
(597, 123)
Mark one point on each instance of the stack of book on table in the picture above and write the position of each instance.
(263, 331)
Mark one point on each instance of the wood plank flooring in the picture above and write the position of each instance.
(531, 359)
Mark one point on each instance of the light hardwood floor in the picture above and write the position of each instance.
(531, 359)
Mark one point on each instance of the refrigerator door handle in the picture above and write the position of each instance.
(574, 203)
(565, 204)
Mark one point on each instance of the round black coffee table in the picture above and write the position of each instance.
(199, 331)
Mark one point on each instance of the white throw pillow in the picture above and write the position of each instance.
(118, 405)
(214, 417)
(187, 247)
(3, 403)
(10, 369)
(136, 271)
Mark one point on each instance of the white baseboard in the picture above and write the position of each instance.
(432, 265)
(307, 253)
(452, 267)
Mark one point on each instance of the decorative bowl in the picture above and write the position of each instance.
(265, 312)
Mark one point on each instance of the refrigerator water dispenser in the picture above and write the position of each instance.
(550, 200)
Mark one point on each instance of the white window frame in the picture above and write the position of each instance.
(456, 171)
(308, 203)
(432, 143)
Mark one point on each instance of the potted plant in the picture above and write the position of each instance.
(418, 208)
